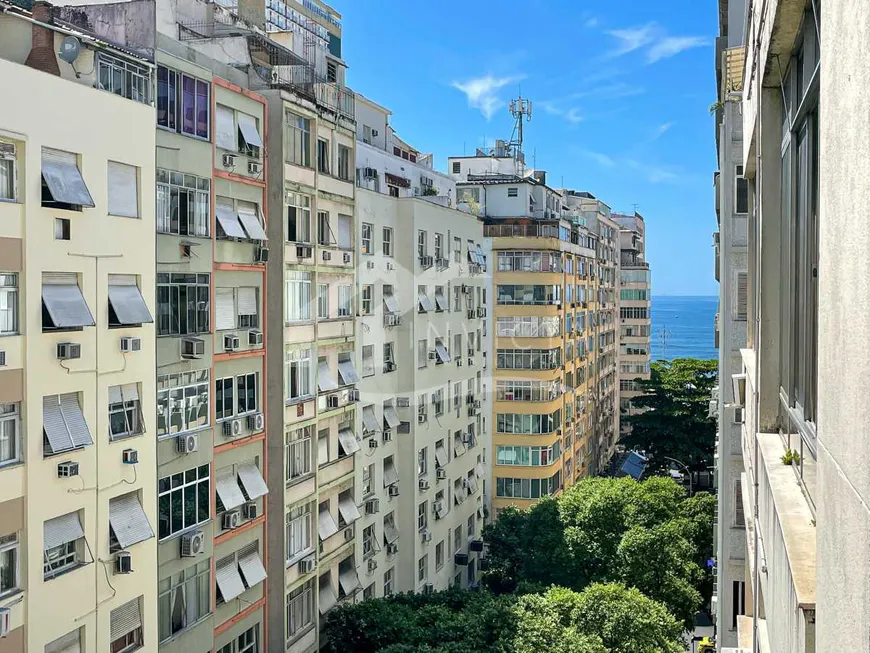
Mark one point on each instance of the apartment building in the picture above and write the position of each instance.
(546, 305)
(730, 248)
(423, 310)
(78, 452)
(635, 319)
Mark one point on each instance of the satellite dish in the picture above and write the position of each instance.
(69, 49)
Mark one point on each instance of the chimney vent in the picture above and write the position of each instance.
(42, 55)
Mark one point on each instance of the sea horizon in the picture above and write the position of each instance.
(682, 326)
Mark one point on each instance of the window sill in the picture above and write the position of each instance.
(200, 526)
(186, 629)
(167, 436)
(9, 334)
(299, 556)
(11, 594)
(298, 400)
(11, 464)
(299, 634)
(299, 479)
(64, 572)
(125, 437)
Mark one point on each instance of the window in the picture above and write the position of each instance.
(526, 488)
(9, 559)
(368, 360)
(167, 98)
(741, 191)
(7, 171)
(298, 296)
(389, 577)
(536, 456)
(248, 132)
(183, 501)
(439, 246)
(182, 402)
(125, 413)
(422, 515)
(388, 241)
(323, 156)
(225, 128)
(68, 643)
(298, 218)
(467, 195)
(457, 538)
(297, 140)
(345, 301)
(178, 91)
(742, 294)
(422, 568)
(323, 448)
(422, 354)
(331, 72)
(123, 187)
(366, 239)
(183, 203)
(525, 424)
(422, 243)
(457, 167)
(423, 461)
(126, 627)
(529, 295)
(183, 599)
(393, 190)
(182, 303)
(299, 371)
(523, 261)
(457, 249)
(300, 609)
(366, 304)
(367, 134)
(63, 544)
(344, 162)
(62, 184)
(369, 541)
(368, 475)
(123, 78)
(297, 450)
(512, 191)
(528, 359)
(10, 434)
(299, 535)
(631, 313)
(247, 389)
(389, 359)
(61, 229)
(8, 303)
(738, 601)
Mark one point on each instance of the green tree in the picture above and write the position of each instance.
(673, 420)
(542, 625)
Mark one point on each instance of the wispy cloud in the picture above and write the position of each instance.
(591, 22)
(656, 173)
(601, 159)
(660, 131)
(632, 38)
(571, 115)
(673, 45)
(612, 91)
(482, 92)
(659, 45)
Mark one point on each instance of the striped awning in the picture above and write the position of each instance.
(251, 565)
(125, 619)
(128, 520)
(227, 487)
(62, 530)
(228, 579)
(252, 480)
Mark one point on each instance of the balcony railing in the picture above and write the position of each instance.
(521, 231)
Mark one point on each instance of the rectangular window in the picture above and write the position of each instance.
(183, 103)
(457, 167)
(10, 434)
(324, 231)
(366, 303)
(247, 392)
(126, 627)
(63, 545)
(344, 162)
(225, 128)
(183, 302)
(389, 359)
(738, 601)
(345, 301)
(369, 541)
(368, 475)
(183, 599)
(7, 171)
(457, 249)
(299, 533)
(183, 203)
(167, 98)
(298, 218)
(389, 578)
(300, 609)
(299, 374)
(741, 191)
(323, 156)
(8, 303)
(125, 412)
(423, 461)
(9, 564)
(183, 501)
(388, 241)
(182, 402)
(366, 239)
(422, 354)
(124, 78)
(63, 186)
(297, 140)
(422, 515)
(123, 188)
(368, 360)
(422, 243)
(439, 246)
(298, 452)
(422, 568)
(298, 296)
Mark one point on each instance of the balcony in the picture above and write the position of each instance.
(521, 231)
(733, 60)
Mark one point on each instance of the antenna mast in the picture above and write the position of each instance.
(520, 109)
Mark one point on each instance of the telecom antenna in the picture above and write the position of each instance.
(520, 109)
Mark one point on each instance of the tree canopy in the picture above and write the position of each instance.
(673, 419)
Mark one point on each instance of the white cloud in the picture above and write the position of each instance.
(631, 39)
(482, 92)
(603, 160)
(573, 116)
(660, 131)
(655, 174)
(612, 91)
(591, 22)
(673, 45)
(552, 108)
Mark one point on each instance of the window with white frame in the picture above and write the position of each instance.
(323, 301)
(126, 619)
(125, 412)
(63, 545)
(300, 542)
(7, 171)
(183, 303)
(224, 400)
(297, 140)
(9, 564)
(299, 373)
(366, 302)
(298, 452)
(422, 515)
(457, 249)
(369, 541)
(389, 358)
(182, 402)
(123, 187)
(183, 203)
(422, 243)
(439, 245)
(323, 156)
(298, 218)
(344, 162)
(422, 353)
(345, 301)
(10, 434)
(422, 568)
(247, 393)
(300, 610)
(124, 78)
(387, 236)
(368, 475)
(439, 555)
(368, 360)
(183, 500)
(366, 240)
(183, 599)
(247, 642)
(389, 579)
(423, 461)
(298, 296)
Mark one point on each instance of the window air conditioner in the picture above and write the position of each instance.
(373, 444)
(231, 342)
(129, 456)
(256, 422)
(67, 469)
(425, 535)
(192, 544)
(255, 338)
(187, 443)
(261, 255)
(353, 395)
(423, 484)
(392, 548)
(393, 490)
(373, 506)
(372, 565)
(228, 160)
(388, 435)
(332, 401)
(192, 347)
(346, 258)
(306, 565)
(232, 428)
(303, 252)
(123, 562)
(249, 510)
(130, 343)
(255, 167)
(441, 473)
(421, 418)
(327, 256)
(438, 509)
(68, 351)
(232, 519)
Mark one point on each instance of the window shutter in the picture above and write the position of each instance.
(224, 313)
(739, 518)
(742, 290)
(123, 195)
(247, 301)
(344, 231)
(225, 128)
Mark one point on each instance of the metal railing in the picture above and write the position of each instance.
(521, 231)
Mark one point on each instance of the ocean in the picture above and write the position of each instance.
(682, 327)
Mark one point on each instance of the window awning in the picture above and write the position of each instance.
(125, 619)
(61, 174)
(251, 567)
(391, 417)
(369, 419)
(228, 580)
(246, 298)
(391, 302)
(248, 127)
(326, 598)
(458, 445)
(69, 643)
(442, 353)
(224, 311)
(326, 526)
(325, 381)
(472, 484)
(61, 530)
(251, 222)
(458, 493)
(227, 487)
(252, 480)
(229, 221)
(441, 455)
(478, 470)
(425, 302)
(348, 441)
(391, 475)
(128, 520)
(441, 302)
(66, 306)
(391, 533)
(349, 580)
(126, 392)
(348, 510)
(347, 372)
(64, 424)
(128, 304)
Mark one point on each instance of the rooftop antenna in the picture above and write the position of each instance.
(636, 207)
(520, 109)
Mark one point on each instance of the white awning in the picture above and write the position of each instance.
(425, 302)
(66, 306)
(248, 127)
(391, 302)
(246, 298)
(348, 441)
(326, 526)
(228, 580)
(348, 510)
(124, 619)
(347, 372)
(472, 484)
(441, 351)
(128, 304)
(126, 392)
(227, 487)
(326, 598)
(458, 445)
(251, 222)
(128, 520)
(251, 566)
(478, 470)
(391, 475)
(441, 455)
(229, 221)
(391, 533)
(369, 419)
(349, 581)
(325, 381)
(64, 179)
(63, 423)
(69, 643)
(224, 312)
(225, 128)
(252, 480)
(391, 417)
(61, 530)
(441, 302)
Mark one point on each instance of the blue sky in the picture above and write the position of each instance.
(620, 93)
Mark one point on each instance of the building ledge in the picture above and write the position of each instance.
(744, 635)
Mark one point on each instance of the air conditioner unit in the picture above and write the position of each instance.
(123, 562)
(371, 173)
(428, 588)
(392, 548)
(433, 355)
(353, 395)
(370, 265)
(2, 359)
(470, 361)
(255, 337)
(421, 418)
(256, 422)
(67, 469)
(440, 473)
(403, 402)
(426, 261)
(392, 320)
(306, 565)
(481, 311)
(471, 314)
(231, 342)
(130, 343)
(68, 350)
(423, 484)
(458, 362)
(348, 534)
(303, 252)
(192, 347)
(261, 255)
(390, 266)
(255, 167)
(465, 289)
(249, 510)
(373, 506)
(372, 565)
(332, 401)
(232, 519)
(373, 444)
(346, 257)
(232, 428)
(129, 456)
(192, 544)
(389, 366)
(186, 443)
(460, 559)
(425, 535)
(228, 160)
(438, 508)
(327, 256)
(393, 490)
(388, 435)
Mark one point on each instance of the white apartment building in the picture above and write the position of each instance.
(422, 306)
(730, 246)
(78, 446)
